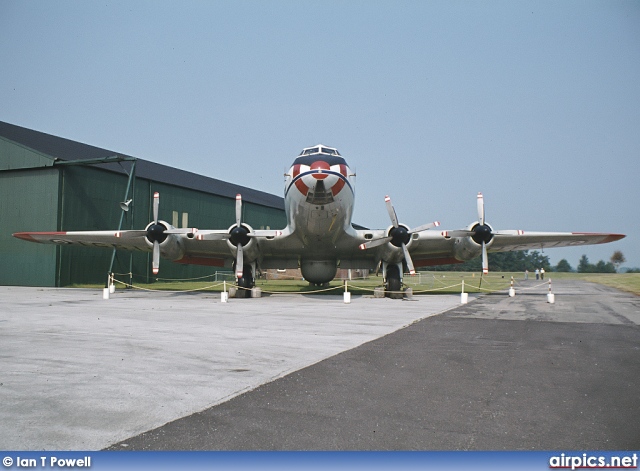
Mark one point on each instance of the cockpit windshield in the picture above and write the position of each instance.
(319, 150)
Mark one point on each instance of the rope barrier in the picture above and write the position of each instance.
(128, 285)
(523, 288)
(216, 274)
(316, 291)
(354, 286)
(331, 288)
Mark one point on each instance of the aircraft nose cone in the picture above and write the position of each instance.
(319, 169)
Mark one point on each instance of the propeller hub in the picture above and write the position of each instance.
(399, 235)
(239, 235)
(155, 233)
(482, 234)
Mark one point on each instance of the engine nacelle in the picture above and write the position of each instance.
(392, 251)
(249, 244)
(466, 248)
(171, 246)
(319, 271)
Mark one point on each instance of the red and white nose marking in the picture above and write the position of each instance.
(307, 176)
(320, 169)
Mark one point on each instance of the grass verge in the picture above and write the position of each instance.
(423, 283)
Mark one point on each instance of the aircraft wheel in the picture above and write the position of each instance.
(394, 285)
(245, 283)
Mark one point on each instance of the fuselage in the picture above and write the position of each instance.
(319, 195)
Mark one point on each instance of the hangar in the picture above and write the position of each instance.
(49, 183)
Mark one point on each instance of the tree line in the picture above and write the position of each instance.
(530, 260)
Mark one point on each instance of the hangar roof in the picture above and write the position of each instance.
(59, 148)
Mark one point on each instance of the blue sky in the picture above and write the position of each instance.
(536, 104)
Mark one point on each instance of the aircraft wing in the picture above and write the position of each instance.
(187, 246)
(509, 241)
(433, 247)
(422, 247)
(132, 240)
(181, 245)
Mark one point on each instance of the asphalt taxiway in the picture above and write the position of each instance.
(148, 371)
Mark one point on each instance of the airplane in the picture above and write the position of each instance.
(320, 237)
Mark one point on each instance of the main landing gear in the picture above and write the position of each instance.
(246, 282)
(393, 281)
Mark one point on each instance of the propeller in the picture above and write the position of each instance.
(482, 234)
(239, 236)
(399, 236)
(156, 234)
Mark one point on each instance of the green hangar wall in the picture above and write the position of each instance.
(48, 183)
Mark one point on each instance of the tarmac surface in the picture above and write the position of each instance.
(78, 372)
(157, 371)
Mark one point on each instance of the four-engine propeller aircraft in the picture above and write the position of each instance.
(319, 236)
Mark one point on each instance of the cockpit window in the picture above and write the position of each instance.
(319, 150)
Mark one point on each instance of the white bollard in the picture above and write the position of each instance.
(512, 290)
(408, 293)
(224, 297)
(112, 288)
(551, 298)
(464, 297)
(105, 293)
(347, 297)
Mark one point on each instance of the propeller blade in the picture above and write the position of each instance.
(425, 227)
(156, 257)
(239, 261)
(407, 258)
(238, 209)
(391, 211)
(508, 232)
(457, 233)
(156, 205)
(485, 259)
(212, 236)
(191, 230)
(265, 233)
(481, 209)
(374, 243)
(130, 234)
